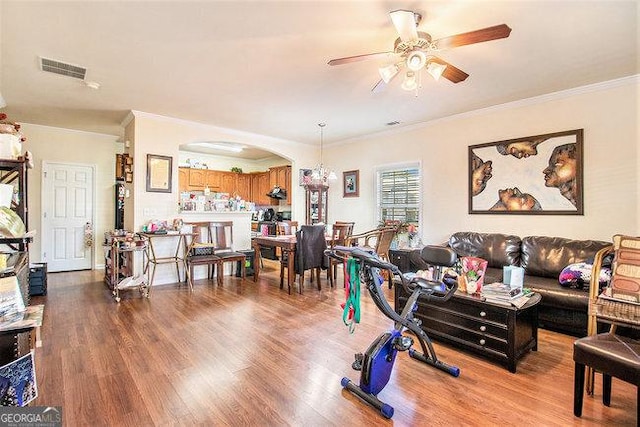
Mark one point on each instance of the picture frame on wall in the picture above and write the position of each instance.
(159, 173)
(304, 177)
(351, 183)
(533, 175)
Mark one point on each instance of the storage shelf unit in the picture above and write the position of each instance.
(12, 344)
(14, 172)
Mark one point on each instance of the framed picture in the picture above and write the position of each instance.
(351, 184)
(159, 173)
(304, 177)
(534, 175)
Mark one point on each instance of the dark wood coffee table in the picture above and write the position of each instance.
(497, 331)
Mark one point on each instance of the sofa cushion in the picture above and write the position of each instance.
(498, 249)
(578, 276)
(554, 295)
(547, 256)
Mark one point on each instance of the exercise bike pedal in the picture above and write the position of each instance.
(402, 343)
(357, 364)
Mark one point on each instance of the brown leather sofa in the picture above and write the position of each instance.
(543, 258)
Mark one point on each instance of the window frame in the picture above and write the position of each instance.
(394, 168)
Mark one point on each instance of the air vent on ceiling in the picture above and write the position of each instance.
(57, 67)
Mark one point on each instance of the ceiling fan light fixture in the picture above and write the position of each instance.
(410, 82)
(435, 69)
(389, 72)
(416, 60)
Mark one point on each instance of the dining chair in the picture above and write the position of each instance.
(199, 250)
(284, 228)
(378, 240)
(222, 239)
(341, 231)
(310, 246)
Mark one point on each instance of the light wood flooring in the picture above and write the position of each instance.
(250, 354)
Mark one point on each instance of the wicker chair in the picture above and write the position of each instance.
(378, 240)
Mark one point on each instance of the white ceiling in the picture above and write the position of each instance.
(261, 66)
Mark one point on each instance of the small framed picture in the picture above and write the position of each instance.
(304, 177)
(159, 173)
(351, 183)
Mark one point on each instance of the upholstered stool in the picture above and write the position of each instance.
(614, 356)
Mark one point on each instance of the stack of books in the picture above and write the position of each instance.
(501, 292)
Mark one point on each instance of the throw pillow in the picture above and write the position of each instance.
(578, 276)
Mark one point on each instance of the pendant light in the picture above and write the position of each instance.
(321, 175)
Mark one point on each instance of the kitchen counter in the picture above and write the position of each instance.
(241, 241)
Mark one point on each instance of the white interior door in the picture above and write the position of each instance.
(67, 207)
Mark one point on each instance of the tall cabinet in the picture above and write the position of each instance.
(316, 204)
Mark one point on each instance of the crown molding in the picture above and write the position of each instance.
(115, 138)
(563, 94)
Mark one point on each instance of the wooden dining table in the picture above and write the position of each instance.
(288, 246)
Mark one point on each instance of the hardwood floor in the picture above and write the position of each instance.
(250, 354)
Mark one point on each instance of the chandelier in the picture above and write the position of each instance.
(319, 174)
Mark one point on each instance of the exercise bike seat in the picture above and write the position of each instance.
(439, 256)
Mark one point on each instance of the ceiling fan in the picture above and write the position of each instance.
(415, 50)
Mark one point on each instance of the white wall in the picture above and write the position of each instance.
(69, 146)
(607, 112)
(152, 134)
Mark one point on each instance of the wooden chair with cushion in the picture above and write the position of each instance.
(222, 239)
(199, 250)
(341, 231)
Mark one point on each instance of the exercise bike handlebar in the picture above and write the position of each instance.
(367, 258)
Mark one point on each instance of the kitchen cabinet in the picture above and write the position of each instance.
(214, 180)
(260, 186)
(183, 179)
(250, 186)
(228, 182)
(243, 186)
(280, 176)
(197, 178)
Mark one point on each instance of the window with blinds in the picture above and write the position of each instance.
(399, 195)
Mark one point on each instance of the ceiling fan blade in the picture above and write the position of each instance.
(405, 23)
(379, 87)
(478, 36)
(356, 58)
(454, 74)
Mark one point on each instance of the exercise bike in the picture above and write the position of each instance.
(377, 362)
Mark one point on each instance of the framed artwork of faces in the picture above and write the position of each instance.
(534, 175)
